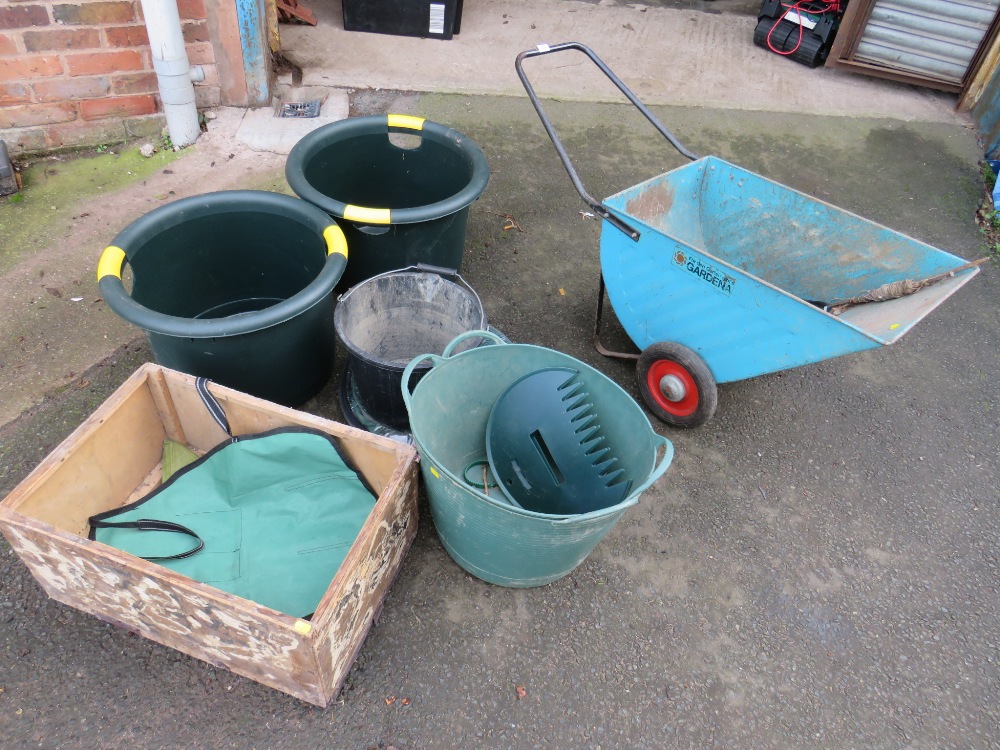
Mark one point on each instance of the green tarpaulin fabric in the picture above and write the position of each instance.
(276, 512)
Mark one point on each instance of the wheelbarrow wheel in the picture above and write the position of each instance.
(677, 385)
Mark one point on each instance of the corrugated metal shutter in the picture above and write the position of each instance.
(935, 39)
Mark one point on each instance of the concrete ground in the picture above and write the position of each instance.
(817, 569)
(670, 53)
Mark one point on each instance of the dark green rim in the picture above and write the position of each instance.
(322, 138)
(250, 201)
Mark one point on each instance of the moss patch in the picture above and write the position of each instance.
(987, 217)
(53, 188)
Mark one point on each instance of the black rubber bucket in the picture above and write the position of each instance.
(402, 186)
(234, 286)
(387, 320)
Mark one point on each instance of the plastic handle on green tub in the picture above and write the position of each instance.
(408, 371)
(336, 242)
(406, 122)
(450, 349)
(111, 263)
(657, 472)
(436, 360)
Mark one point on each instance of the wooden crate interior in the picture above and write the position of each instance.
(98, 466)
(375, 460)
(115, 456)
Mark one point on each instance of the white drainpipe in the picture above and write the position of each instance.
(173, 73)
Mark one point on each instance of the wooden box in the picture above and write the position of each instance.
(115, 457)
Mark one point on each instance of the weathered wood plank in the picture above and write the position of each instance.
(156, 603)
(348, 609)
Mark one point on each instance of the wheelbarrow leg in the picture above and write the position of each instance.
(597, 328)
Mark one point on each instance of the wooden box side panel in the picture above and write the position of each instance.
(375, 457)
(349, 608)
(98, 465)
(225, 631)
(200, 430)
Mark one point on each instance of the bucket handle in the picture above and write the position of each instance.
(436, 360)
(631, 499)
(657, 472)
(450, 349)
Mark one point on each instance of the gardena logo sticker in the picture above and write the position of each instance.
(706, 272)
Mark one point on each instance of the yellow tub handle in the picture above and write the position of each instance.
(336, 242)
(406, 121)
(111, 263)
(364, 215)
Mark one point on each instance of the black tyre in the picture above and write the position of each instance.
(677, 385)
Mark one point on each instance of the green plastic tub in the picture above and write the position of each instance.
(400, 186)
(485, 534)
(234, 286)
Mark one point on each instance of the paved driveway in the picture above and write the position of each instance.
(817, 569)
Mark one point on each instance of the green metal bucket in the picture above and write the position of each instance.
(485, 534)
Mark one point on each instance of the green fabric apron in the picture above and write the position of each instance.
(267, 517)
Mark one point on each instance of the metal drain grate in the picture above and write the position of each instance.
(300, 109)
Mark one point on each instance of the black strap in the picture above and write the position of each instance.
(148, 524)
(213, 406)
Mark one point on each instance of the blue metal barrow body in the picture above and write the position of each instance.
(728, 264)
(718, 274)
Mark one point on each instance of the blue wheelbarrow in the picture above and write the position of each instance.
(718, 274)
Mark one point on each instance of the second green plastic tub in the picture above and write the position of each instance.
(487, 536)
(399, 185)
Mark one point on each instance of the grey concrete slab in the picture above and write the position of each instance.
(816, 570)
(261, 130)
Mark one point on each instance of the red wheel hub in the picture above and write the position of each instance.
(662, 368)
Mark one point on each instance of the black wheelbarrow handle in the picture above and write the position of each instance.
(546, 49)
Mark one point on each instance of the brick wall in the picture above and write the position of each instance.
(79, 72)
